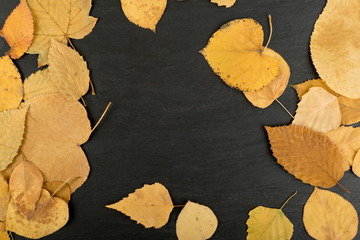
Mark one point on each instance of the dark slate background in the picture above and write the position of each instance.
(175, 122)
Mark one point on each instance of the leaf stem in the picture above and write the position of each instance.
(83, 101)
(68, 39)
(343, 187)
(284, 108)
(271, 30)
(288, 200)
(102, 116)
(92, 88)
(179, 205)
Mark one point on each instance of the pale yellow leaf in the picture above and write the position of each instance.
(37, 84)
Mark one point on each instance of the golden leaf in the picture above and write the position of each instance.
(18, 30)
(59, 20)
(196, 222)
(225, 3)
(4, 199)
(68, 71)
(329, 216)
(267, 95)
(150, 205)
(37, 84)
(12, 124)
(11, 88)
(62, 190)
(335, 49)
(56, 150)
(307, 154)
(144, 13)
(51, 214)
(318, 110)
(236, 55)
(25, 187)
(348, 141)
(4, 235)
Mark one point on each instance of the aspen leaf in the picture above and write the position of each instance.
(335, 49)
(307, 154)
(68, 71)
(196, 222)
(235, 53)
(267, 95)
(25, 187)
(62, 190)
(348, 141)
(150, 205)
(225, 3)
(329, 216)
(56, 150)
(51, 214)
(144, 13)
(12, 124)
(318, 110)
(4, 199)
(11, 88)
(59, 20)
(37, 84)
(18, 30)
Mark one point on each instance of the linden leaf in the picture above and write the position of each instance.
(59, 20)
(68, 71)
(51, 214)
(267, 95)
(334, 47)
(4, 198)
(11, 88)
(37, 84)
(18, 30)
(62, 190)
(196, 222)
(307, 154)
(318, 110)
(12, 124)
(329, 216)
(150, 205)
(144, 13)
(348, 141)
(55, 129)
(235, 53)
(25, 187)
(225, 3)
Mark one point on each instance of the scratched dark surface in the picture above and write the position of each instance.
(173, 120)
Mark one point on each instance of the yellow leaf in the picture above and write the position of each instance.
(68, 71)
(4, 199)
(37, 84)
(11, 88)
(329, 216)
(348, 141)
(335, 49)
(318, 110)
(56, 150)
(150, 205)
(144, 13)
(356, 164)
(267, 95)
(58, 20)
(62, 190)
(51, 214)
(12, 124)
(307, 154)
(236, 55)
(225, 3)
(25, 187)
(196, 222)
(304, 87)
(18, 30)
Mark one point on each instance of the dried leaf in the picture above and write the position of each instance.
(51, 214)
(11, 88)
(267, 95)
(37, 84)
(348, 141)
(329, 216)
(68, 71)
(12, 124)
(62, 190)
(225, 3)
(4, 199)
(150, 205)
(144, 13)
(334, 47)
(4, 235)
(195, 222)
(25, 187)
(56, 150)
(236, 55)
(18, 30)
(58, 20)
(307, 154)
(356, 164)
(318, 110)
